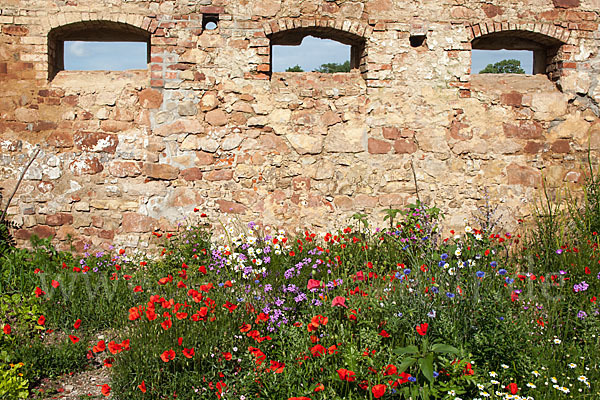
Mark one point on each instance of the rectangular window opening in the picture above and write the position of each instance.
(314, 54)
(105, 55)
(505, 61)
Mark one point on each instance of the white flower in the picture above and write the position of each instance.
(504, 366)
(554, 380)
(535, 373)
(531, 385)
(572, 365)
(557, 341)
(468, 229)
(458, 252)
(452, 393)
(582, 378)
(493, 374)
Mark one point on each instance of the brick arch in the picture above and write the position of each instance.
(538, 30)
(291, 31)
(546, 41)
(75, 26)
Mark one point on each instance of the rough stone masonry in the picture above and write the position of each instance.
(208, 125)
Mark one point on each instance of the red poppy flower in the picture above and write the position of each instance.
(313, 284)
(73, 338)
(41, 320)
(121, 251)
(138, 289)
(125, 344)
(166, 324)
(422, 329)
(384, 333)
(339, 301)
(277, 367)
(202, 269)
(142, 387)
(317, 350)
(6, 329)
(512, 388)
(346, 375)
(378, 391)
(245, 328)
(189, 353)
(134, 313)
(114, 347)
(99, 347)
(77, 324)
(108, 362)
(168, 355)
(227, 356)
(403, 378)
(39, 292)
(320, 387)
(105, 390)
(390, 369)
(55, 284)
(230, 306)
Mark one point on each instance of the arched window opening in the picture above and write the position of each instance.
(97, 45)
(316, 48)
(543, 50)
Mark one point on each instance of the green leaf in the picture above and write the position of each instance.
(406, 350)
(406, 364)
(444, 348)
(426, 364)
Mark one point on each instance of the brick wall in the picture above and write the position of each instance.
(208, 125)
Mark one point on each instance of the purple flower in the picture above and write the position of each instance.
(581, 314)
(581, 287)
(301, 297)
(268, 287)
(559, 251)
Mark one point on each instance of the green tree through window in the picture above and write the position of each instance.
(511, 66)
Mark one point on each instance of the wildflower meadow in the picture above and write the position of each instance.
(225, 310)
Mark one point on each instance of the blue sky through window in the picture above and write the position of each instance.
(313, 52)
(114, 56)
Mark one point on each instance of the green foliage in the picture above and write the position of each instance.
(295, 68)
(331, 68)
(511, 66)
(13, 385)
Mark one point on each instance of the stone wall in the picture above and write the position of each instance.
(209, 126)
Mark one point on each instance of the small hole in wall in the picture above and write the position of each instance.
(210, 22)
(417, 40)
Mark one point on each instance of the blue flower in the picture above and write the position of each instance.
(444, 256)
(435, 290)
(502, 271)
(441, 264)
(436, 374)
(509, 280)
(412, 379)
(450, 295)
(480, 274)
(407, 271)
(494, 264)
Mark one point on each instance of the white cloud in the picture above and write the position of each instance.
(77, 49)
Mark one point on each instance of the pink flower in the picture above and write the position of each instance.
(313, 284)
(339, 301)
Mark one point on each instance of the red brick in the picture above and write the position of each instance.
(134, 222)
(533, 147)
(561, 146)
(379, 146)
(15, 30)
(391, 132)
(96, 142)
(231, 207)
(512, 99)
(59, 219)
(61, 139)
(219, 175)
(191, 174)
(43, 231)
(86, 166)
(525, 130)
(405, 146)
(566, 3)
